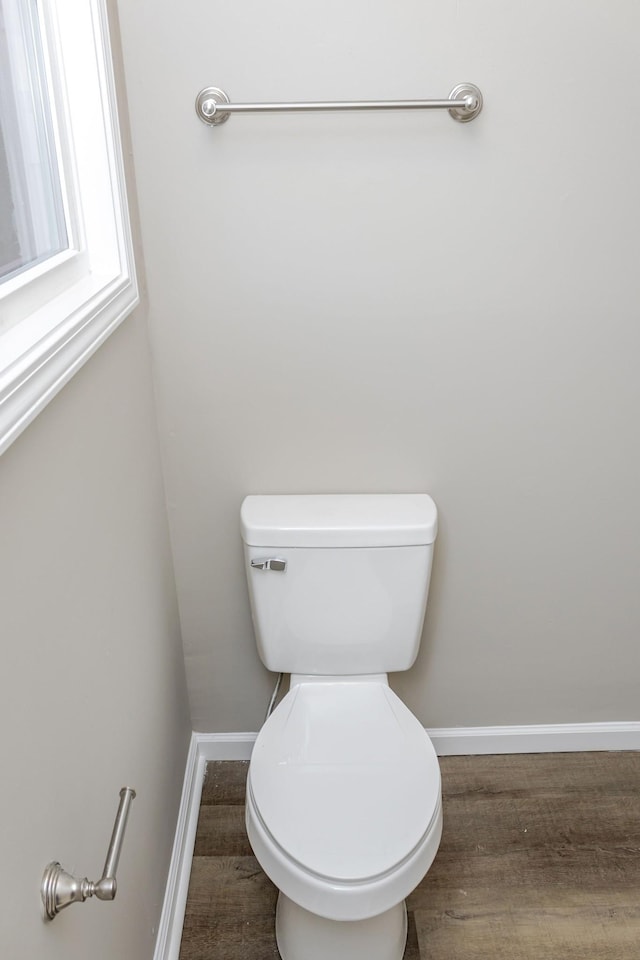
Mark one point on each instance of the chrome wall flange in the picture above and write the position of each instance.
(208, 102)
(470, 93)
(59, 889)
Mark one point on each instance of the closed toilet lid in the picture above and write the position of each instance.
(345, 779)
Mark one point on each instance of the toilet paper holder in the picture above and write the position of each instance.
(59, 888)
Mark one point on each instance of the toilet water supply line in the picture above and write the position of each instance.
(274, 697)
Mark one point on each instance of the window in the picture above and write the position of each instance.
(66, 265)
(32, 217)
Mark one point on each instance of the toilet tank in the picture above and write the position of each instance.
(338, 584)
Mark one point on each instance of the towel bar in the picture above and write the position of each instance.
(464, 103)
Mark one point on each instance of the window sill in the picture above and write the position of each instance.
(44, 351)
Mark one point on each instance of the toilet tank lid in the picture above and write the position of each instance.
(339, 520)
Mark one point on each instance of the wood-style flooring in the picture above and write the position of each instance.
(539, 860)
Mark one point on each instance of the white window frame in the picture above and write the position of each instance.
(54, 315)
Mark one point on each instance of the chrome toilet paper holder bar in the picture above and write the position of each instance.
(59, 888)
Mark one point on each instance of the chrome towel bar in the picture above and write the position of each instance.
(214, 107)
(59, 888)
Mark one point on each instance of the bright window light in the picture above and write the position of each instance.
(32, 217)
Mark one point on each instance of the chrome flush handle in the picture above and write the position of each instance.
(270, 563)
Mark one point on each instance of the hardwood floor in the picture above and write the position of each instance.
(539, 860)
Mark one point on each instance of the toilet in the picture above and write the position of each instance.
(344, 799)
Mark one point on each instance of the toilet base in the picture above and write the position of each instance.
(302, 935)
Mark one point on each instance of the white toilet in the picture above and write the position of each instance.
(343, 805)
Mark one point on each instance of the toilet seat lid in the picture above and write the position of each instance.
(345, 779)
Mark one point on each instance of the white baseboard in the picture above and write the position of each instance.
(226, 746)
(175, 896)
(203, 747)
(454, 741)
(538, 738)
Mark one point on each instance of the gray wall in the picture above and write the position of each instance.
(92, 686)
(92, 689)
(402, 303)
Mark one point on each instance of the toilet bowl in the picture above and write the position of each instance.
(344, 814)
(343, 802)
